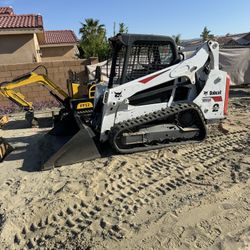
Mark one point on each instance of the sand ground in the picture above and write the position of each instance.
(195, 196)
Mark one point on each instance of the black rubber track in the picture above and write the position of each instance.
(143, 120)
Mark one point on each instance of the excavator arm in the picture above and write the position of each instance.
(8, 89)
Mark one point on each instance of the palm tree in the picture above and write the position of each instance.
(205, 35)
(91, 27)
(123, 28)
(93, 39)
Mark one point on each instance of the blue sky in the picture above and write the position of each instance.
(142, 16)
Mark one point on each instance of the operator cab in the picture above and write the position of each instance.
(134, 56)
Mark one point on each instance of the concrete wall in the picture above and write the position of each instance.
(17, 49)
(57, 72)
(59, 53)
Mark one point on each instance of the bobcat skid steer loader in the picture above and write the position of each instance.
(154, 98)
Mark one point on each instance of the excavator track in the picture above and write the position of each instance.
(125, 127)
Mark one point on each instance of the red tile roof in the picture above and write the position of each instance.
(20, 21)
(6, 11)
(59, 37)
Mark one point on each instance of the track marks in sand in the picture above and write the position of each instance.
(12, 185)
(208, 231)
(201, 236)
(131, 187)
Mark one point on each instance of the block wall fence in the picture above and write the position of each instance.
(58, 72)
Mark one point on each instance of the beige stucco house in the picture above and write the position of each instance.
(58, 45)
(23, 40)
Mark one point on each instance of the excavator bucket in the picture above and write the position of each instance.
(5, 149)
(69, 142)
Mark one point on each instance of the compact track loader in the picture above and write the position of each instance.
(153, 99)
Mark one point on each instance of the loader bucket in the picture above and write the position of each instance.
(5, 149)
(65, 148)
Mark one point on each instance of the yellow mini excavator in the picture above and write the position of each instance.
(73, 100)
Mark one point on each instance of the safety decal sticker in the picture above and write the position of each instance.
(217, 98)
(216, 107)
(206, 99)
(150, 78)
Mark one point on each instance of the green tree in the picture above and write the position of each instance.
(123, 28)
(177, 39)
(93, 39)
(205, 35)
